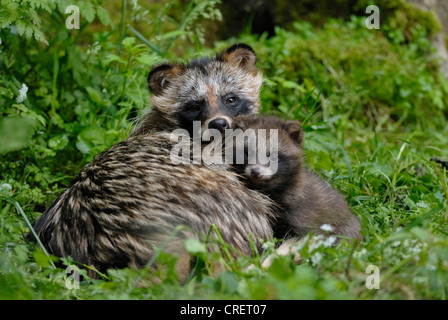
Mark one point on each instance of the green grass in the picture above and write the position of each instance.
(373, 106)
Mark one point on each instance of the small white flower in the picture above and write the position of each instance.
(396, 243)
(431, 267)
(415, 250)
(268, 245)
(317, 237)
(135, 5)
(22, 93)
(94, 48)
(316, 242)
(6, 186)
(316, 258)
(329, 241)
(300, 245)
(326, 227)
(360, 253)
(419, 279)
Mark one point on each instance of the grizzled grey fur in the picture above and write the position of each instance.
(132, 197)
(210, 90)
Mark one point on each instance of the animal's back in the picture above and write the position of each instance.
(132, 197)
(318, 203)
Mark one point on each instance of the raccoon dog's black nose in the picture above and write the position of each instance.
(220, 124)
(255, 173)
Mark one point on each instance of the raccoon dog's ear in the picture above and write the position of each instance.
(161, 75)
(240, 55)
(295, 131)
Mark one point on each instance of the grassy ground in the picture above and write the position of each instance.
(372, 103)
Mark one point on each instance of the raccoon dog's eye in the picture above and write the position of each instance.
(193, 108)
(231, 100)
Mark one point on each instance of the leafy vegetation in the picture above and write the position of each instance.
(372, 102)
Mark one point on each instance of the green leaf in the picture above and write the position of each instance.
(283, 108)
(194, 246)
(57, 120)
(291, 85)
(9, 13)
(104, 17)
(34, 17)
(320, 160)
(83, 145)
(42, 259)
(173, 34)
(90, 138)
(111, 58)
(21, 27)
(420, 233)
(128, 42)
(226, 282)
(95, 96)
(63, 4)
(12, 139)
(58, 142)
(82, 110)
(147, 59)
(405, 92)
(39, 36)
(27, 29)
(43, 4)
(149, 44)
(87, 10)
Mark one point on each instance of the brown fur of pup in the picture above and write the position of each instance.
(306, 201)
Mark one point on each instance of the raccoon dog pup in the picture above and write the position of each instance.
(306, 201)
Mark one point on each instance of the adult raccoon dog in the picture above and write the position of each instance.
(210, 90)
(132, 197)
(306, 201)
